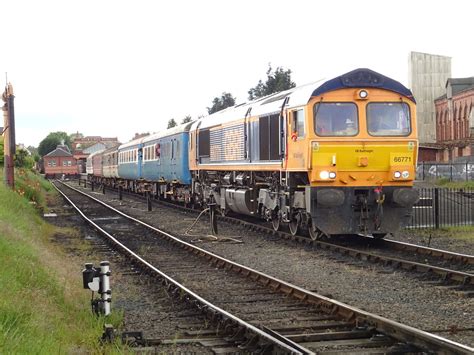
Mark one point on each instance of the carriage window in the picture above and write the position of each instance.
(335, 119)
(388, 119)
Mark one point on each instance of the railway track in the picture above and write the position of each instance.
(440, 266)
(278, 315)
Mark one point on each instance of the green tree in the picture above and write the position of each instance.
(278, 80)
(220, 103)
(32, 150)
(186, 119)
(172, 123)
(51, 141)
(23, 159)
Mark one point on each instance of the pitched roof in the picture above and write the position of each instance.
(458, 85)
(59, 152)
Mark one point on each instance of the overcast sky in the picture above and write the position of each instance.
(113, 68)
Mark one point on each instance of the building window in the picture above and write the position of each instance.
(69, 163)
(53, 162)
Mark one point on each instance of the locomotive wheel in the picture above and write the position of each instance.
(294, 226)
(314, 233)
(276, 223)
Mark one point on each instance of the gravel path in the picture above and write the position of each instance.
(394, 294)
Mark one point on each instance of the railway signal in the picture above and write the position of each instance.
(98, 280)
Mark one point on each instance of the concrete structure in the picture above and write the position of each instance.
(428, 74)
(455, 120)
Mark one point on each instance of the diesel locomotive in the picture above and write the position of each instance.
(327, 159)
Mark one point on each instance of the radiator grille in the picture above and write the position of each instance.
(227, 144)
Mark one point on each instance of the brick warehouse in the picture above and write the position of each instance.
(455, 120)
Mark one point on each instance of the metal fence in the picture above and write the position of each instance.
(460, 171)
(443, 207)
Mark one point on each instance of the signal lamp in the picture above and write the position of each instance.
(405, 174)
(397, 174)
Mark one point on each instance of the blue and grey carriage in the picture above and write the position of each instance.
(165, 161)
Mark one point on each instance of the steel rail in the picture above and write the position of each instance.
(460, 277)
(399, 245)
(445, 254)
(287, 345)
(401, 332)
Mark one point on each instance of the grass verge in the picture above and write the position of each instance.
(455, 184)
(460, 232)
(43, 308)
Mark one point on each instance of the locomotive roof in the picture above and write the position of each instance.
(295, 97)
(299, 96)
(363, 78)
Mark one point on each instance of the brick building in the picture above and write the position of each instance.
(59, 161)
(455, 120)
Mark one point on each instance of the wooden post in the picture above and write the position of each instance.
(9, 135)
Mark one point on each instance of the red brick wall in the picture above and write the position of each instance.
(49, 169)
(452, 123)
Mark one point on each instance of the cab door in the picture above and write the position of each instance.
(297, 140)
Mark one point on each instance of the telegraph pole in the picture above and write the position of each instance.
(9, 134)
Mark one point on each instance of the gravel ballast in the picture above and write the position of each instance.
(397, 295)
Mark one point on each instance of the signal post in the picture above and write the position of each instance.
(9, 134)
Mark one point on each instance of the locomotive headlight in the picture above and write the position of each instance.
(405, 174)
(324, 175)
(397, 174)
(363, 94)
(332, 175)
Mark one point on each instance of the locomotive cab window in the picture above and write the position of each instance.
(336, 119)
(388, 119)
(297, 123)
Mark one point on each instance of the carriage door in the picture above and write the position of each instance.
(173, 158)
(139, 161)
